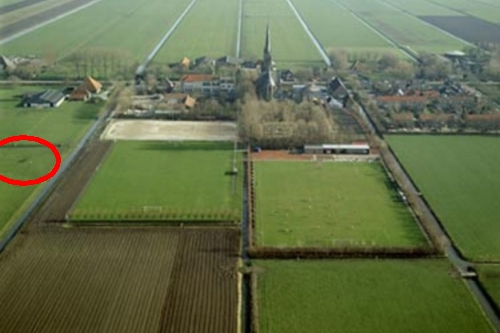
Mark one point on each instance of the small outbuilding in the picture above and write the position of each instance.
(44, 99)
(325, 149)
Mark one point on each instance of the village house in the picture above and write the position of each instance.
(206, 84)
(44, 99)
(85, 90)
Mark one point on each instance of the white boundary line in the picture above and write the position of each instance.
(425, 23)
(384, 37)
(316, 43)
(38, 26)
(158, 46)
(238, 37)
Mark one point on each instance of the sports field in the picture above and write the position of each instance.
(164, 180)
(290, 45)
(364, 296)
(62, 126)
(215, 38)
(489, 276)
(458, 176)
(329, 204)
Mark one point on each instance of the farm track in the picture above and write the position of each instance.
(203, 294)
(67, 191)
(18, 5)
(31, 23)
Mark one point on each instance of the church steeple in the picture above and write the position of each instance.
(267, 59)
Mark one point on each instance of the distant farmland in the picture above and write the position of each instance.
(329, 204)
(121, 280)
(337, 28)
(290, 44)
(364, 296)
(129, 26)
(164, 180)
(458, 176)
(215, 37)
(406, 30)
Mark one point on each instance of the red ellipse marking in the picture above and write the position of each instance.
(43, 142)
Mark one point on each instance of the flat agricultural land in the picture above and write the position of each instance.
(120, 280)
(485, 9)
(118, 26)
(364, 296)
(335, 27)
(159, 130)
(290, 44)
(401, 27)
(166, 181)
(63, 126)
(458, 176)
(329, 204)
(489, 276)
(215, 38)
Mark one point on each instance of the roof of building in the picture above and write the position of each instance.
(180, 98)
(197, 77)
(185, 61)
(91, 84)
(6, 63)
(338, 146)
(44, 97)
(337, 87)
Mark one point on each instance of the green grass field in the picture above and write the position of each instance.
(489, 276)
(458, 176)
(18, 14)
(187, 180)
(336, 27)
(423, 7)
(291, 47)
(129, 26)
(488, 10)
(216, 38)
(329, 204)
(64, 126)
(364, 296)
(403, 28)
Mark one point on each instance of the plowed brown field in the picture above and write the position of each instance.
(120, 280)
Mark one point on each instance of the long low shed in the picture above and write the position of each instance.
(358, 149)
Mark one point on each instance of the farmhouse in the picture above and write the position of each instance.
(44, 99)
(179, 101)
(85, 90)
(355, 149)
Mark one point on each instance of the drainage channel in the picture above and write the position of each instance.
(315, 41)
(142, 67)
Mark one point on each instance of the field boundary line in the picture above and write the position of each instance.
(238, 37)
(375, 30)
(163, 40)
(40, 25)
(405, 12)
(315, 41)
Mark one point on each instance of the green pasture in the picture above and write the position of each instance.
(63, 126)
(164, 181)
(336, 27)
(489, 275)
(330, 204)
(217, 37)
(130, 27)
(458, 176)
(290, 45)
(405, 29)
(357, 296)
